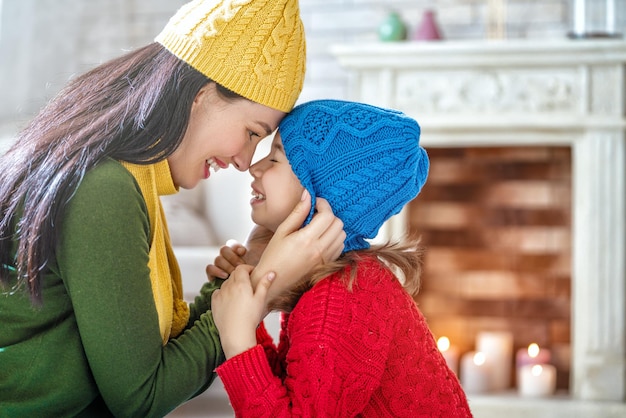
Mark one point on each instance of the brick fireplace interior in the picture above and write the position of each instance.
(496, 226)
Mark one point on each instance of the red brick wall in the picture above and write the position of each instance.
(496, 225)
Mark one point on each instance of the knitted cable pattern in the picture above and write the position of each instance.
(365, 160)
(255, 48)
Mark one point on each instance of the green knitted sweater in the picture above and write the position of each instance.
(94, 348)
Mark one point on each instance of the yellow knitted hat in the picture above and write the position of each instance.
(255, 48)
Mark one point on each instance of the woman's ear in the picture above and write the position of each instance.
(205, 93)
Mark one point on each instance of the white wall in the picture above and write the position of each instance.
(44, 42)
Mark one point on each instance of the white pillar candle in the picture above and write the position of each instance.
(474, 373)
(537, 380)
(498, 350)
(531, 355)
(450, 353)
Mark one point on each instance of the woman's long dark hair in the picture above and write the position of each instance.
(134, 108)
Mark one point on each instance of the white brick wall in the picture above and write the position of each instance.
(44, 42)
(344, 21)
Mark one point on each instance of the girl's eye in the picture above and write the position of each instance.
(273, 160)
(253, 134)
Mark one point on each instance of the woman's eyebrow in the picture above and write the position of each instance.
(265, 126)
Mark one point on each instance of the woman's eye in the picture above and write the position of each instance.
(253, 134)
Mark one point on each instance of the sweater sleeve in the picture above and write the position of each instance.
(202, 302)
(326, 375)
(274, 357)
(103, 260)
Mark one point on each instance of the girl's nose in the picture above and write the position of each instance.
(256, 169)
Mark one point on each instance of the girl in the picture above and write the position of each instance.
(92, 320)
(354, 342)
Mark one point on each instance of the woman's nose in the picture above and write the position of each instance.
(242, 160)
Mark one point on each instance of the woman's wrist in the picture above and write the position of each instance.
(281, 283)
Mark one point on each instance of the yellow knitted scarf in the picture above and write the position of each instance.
(167, 289)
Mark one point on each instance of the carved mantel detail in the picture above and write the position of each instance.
(489, 91)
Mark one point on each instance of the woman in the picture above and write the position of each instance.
(93, 321)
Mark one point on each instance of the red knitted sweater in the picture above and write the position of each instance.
(366, 352)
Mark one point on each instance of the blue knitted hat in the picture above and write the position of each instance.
(365, 160)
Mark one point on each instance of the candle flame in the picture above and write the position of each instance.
(536, 370)
(479, 358)
(533, 350)
(443, 343)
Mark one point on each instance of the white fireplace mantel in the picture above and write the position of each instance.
(559, 92)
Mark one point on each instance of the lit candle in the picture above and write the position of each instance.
(474, 372)
(450, 353)
(532, 355)
(537, 380)
(498, 349)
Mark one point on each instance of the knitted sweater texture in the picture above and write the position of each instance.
(366, 352)
(155, 180)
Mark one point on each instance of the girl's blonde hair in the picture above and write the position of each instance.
(403, 259)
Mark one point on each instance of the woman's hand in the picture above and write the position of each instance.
(293, 252)
(238, 308)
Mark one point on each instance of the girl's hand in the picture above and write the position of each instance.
(238, 308)
(231, 255)
(293, 252)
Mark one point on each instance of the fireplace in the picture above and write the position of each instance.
(495, 223)
(561, 95)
